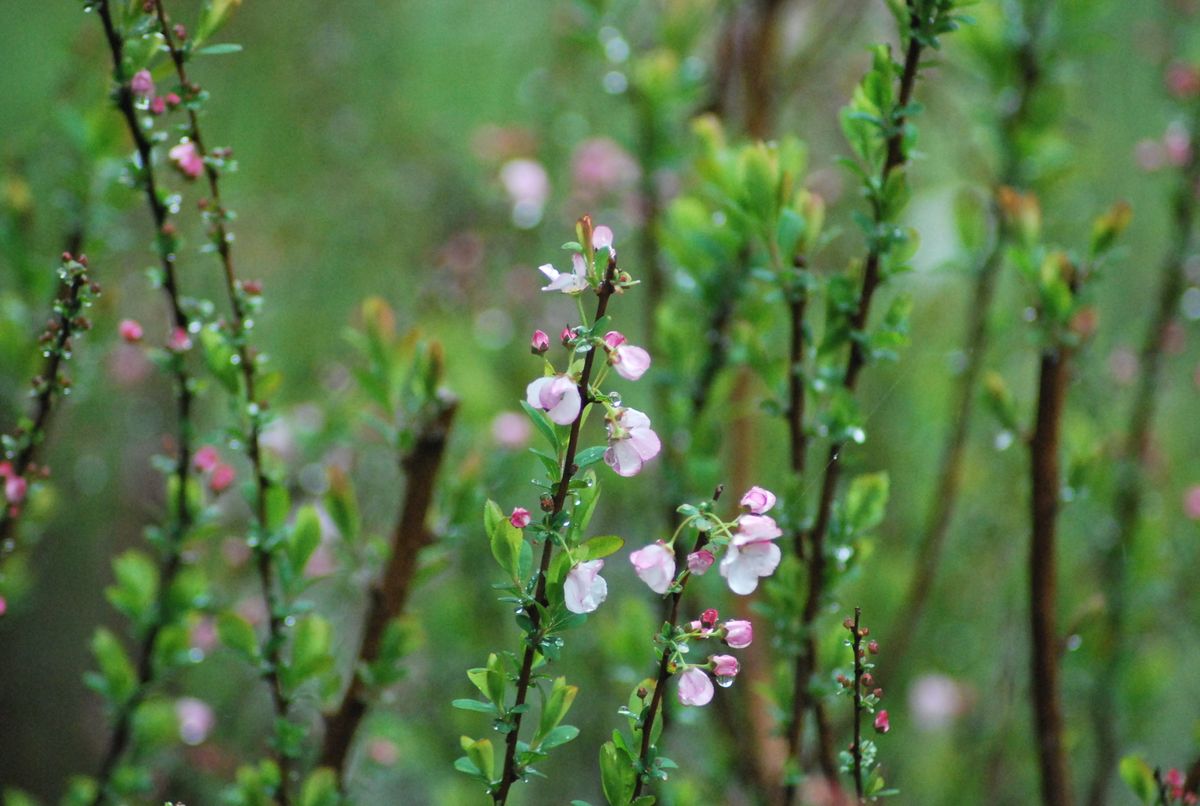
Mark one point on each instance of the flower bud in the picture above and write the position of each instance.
(520, 518)
(142, 84)
(758, 500)
(738, 633)
(222, 476)
(130, 331)
(546, 502)
(873, 647)
(700, 561)
(881, 722)
(566, 336)
(539, 342)
(179, 341)
(724, 665)
(709, 618)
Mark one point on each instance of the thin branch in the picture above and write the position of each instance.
(390, 595)
(1046, 482)
(511, 772)
(253, 406)
(182, 521)
(806, 659)
(945, 498)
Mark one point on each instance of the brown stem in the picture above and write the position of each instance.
(183, 394)
(511, 772)
(949, 482)
(856, 748)
(1131, 474)
(390, 594)
(664, 665)
(759, 69)
(1191, 784)
(273, 647)
(806, 660)
(1045, 480)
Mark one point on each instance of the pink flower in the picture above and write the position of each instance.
(758, 500)
(655, 565)
(1177, 143)
(1175, 780)
(3, 605)
(710, 617)
(629, 361)
(1183, 80)
(130, 331)
(520, 517)
(631, 443)
(383, 752)
(187, 159)
(1191, 503)
(700, 561)
(179, 341)
(158, 105)
(15, 488)
(567, 282)
(206, 458)
(695, 687)
(751, 554)
(539, 342)
(222, 476)
(566, 336)
(724, 665)
(602, 238)
(142, 84)
(881, 722)
(196, 720)
(584, 589)
(557, 395)
(172, 99)
(738, 633)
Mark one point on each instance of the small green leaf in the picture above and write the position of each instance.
(304, 538)
(544, 426)
(559, 736)
(1138, 776)
(589, 456)
(617, 776)
(598, 547)
(238, 634)
(119, 680)
(555, 707)
(474, 705)
(320, 789)
(218, 50)
(866, 501)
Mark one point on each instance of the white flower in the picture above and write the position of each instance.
(557, 395)
(584, 589)
(568, 283)
(629, 361)
(631, 443)
(743, 565)
(695, 687)
(655, 565)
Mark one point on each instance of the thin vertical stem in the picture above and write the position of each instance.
(856, 748)
(511, 772)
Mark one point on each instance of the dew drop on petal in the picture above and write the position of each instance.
(724, 680)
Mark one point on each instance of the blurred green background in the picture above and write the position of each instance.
(372, 140)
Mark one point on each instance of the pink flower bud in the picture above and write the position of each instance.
(206, 459)
(1183, 80)
(15, 488)
(187, 159)
(881, 722)
(724, 665)
(142, 84)
(758, 500)
(130, 331)
(655, 565)
(602, 237)
(539, 343)
(222, 476)
(566, 336)
(179, 341)
(158, 105)
(613, 339)
(709, 618)
(695, 687)
(253, 287)
(873, 647)
(520, 518)
(3, 605)
(700, 561)
(173, 100)
(738, 633)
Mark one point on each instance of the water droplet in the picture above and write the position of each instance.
(290, 621)
(1003, 440)
(195, 654)
(1074, 642)
(858, 435)
(724, 680)
(614, 398)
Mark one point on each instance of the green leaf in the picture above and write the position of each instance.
(136, 591)
(218, 50)
(554, 708)
(320, 789)
(559, 736)
(304, 538)
(617, 777)
(474, 705)
(481, 755)
(505, 539)
(278, 505)
(155, 724)
(342, 505)
(758, 182)
(1138, 776)
(598, 547)
(119, 679)
(310, 649)
(589, 456)
(218, 357)
(544, 426)
(238, 634)
(866, 501)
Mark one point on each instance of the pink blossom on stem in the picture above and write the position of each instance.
(222, 476)
(172, 99)
(751, 553)
(602, 238)
(724, 665)
(180, 341)
(130, 331)
(520, 517)
(187, 159)
(710, 617)
(196, 720)
(566, 336)
(584, 589)
(629, 361)
(571, 282)
(1183, 80)
(738, 633)
(206, 458)
(15, 488)
(158, 105)
(655, 565)
(631, 442)
(758, 500)
(557, 395)
(539, 342)
(700, 561)
(1175, 780)
(142, 84)
(695, 687)
(881, 722)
